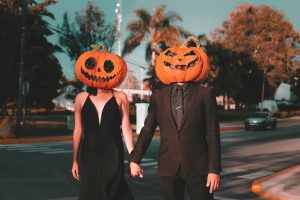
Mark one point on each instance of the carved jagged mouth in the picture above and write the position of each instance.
(97, 78)
(181, 67)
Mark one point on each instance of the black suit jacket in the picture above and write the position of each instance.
(195, 146)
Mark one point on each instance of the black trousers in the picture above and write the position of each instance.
(174, 187)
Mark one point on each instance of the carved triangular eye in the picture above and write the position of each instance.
(167, 64)
(170, 53)
(191, 53)
(192, 64)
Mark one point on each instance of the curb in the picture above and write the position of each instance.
(47, 139)
(257, 188)
(69, 138)
(285, 123)
(36, 140)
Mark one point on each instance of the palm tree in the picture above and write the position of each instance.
(153, 29)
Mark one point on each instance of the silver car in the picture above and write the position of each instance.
(260, 120)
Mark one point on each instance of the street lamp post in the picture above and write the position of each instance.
(118, 11)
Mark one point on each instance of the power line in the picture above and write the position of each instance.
(55, 29)
(135, 61)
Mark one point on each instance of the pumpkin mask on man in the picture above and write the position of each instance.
(183, 64)
(100, 69)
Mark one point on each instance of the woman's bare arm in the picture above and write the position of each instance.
(135, 170)
(126, 129)
(77, 133)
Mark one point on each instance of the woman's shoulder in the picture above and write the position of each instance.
(120, 95)
(81, 96)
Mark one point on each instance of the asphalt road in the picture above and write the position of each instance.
(42, 171)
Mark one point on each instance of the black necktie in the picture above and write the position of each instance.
(179, 105)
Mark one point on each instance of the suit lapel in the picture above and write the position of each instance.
(167, 105)
(189, 102)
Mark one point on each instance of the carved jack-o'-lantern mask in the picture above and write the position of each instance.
(182, 64)
(101, 69)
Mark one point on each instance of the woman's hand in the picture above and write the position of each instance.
(135, 170)
(75, 171)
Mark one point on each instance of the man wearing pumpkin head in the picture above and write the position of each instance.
(189, 154)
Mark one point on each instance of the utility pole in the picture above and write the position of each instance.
(263, 90)
(264, 71)
(142, 85)
(21, 72)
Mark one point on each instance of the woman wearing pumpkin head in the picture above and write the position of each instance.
(100, 115)
(186, 114)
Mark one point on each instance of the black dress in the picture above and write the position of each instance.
(102, 154)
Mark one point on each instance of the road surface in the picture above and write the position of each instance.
(42, 171)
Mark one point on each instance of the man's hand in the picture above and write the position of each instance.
(135, 170)
(213, 181)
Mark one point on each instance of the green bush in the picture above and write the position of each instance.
(284, 114)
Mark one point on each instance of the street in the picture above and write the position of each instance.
(43, 170)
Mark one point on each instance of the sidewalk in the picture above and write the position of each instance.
(283, 185)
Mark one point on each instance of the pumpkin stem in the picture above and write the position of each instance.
(99, 47)
(191, 41)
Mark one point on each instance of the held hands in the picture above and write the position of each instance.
(75, 171)
(213, 181)
(135, 170)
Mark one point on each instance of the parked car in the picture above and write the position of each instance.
(260, 120)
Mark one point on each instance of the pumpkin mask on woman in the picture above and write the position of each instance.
(101, 69)
(183, 64)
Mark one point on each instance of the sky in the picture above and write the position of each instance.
(199, 16)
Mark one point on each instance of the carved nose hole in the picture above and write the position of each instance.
(180, 59)
(98, 70)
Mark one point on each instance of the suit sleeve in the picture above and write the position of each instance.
(212, 133)
(146, 134)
